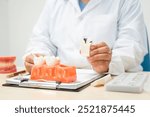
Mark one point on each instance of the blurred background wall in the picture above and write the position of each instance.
(4, 36)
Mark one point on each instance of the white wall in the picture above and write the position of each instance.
(146, 10)
(4, 46)
(23, 15)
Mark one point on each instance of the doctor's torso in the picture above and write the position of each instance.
(68, 25)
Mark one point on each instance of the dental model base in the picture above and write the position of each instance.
(127, 82)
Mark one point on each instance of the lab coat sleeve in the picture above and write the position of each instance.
(40, 41)
(130, 47)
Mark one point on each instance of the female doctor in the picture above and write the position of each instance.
(116, 28)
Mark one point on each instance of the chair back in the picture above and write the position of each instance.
(146, 62)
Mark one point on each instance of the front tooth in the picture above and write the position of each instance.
(39, 60)
(50, 60)
(35, 60)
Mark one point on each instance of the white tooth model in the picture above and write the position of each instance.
(39, 60)
(85, 47)
(51, 60)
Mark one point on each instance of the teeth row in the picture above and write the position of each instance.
(48, 60)
(2, 64)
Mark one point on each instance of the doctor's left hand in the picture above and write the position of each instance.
(100, 57)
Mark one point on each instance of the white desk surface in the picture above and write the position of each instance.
(89, 93)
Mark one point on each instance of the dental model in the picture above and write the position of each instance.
(85, 47)
(48, 68)
(7, 64)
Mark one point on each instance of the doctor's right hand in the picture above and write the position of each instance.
(100, 57)
(29, 61)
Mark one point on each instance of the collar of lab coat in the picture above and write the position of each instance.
(90, 5)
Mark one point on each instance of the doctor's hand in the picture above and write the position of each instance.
(100, 57)
(29, 61)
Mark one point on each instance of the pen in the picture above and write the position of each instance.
(16, 73)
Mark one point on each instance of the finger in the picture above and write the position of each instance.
(29, 59)
(100, 66)
(100, 57)
(28, 66)
(38, 55)
(102, 62)
(101, 50)
(94, 46)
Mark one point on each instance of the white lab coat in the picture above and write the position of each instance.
(119, 23)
